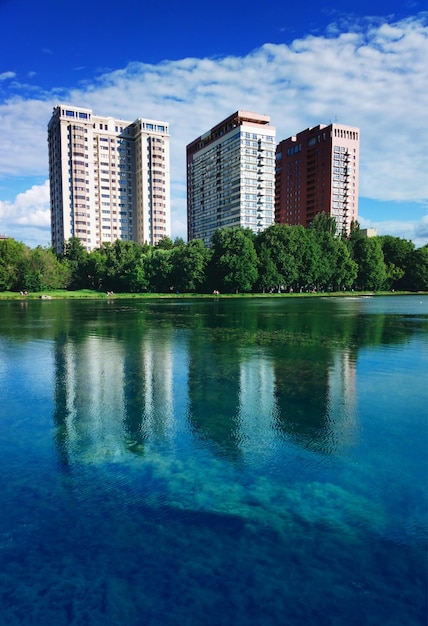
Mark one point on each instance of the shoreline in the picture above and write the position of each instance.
(87, 294)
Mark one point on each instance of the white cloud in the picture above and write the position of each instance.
(372, 77)
(29, 212)
(416, 231)
(7, 76)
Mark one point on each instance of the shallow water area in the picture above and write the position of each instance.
(224, 461)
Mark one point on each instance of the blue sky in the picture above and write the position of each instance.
(192, 64)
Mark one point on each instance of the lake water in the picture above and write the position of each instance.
(214, 462)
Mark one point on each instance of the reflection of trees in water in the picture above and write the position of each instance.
(301, 381)
(339, 320)
(213, 394)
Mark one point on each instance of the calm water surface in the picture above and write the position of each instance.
(223, 462)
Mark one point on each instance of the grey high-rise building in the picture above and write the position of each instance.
(231, 176)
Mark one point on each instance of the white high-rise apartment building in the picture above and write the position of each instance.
(231, 176)
(109, 179)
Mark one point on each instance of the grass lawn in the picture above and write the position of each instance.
(90, 294)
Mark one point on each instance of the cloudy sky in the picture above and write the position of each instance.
(192, 64)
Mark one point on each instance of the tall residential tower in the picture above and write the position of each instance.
(317, 172)
(109, 179)
(231, 176)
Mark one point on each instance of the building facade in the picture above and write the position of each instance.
(109, 178)
(231, 176)
(317, 172)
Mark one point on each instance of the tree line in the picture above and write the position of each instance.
(281, 258)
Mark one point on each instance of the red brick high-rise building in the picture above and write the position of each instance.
(317, 172)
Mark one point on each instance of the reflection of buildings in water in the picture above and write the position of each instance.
(316, 397)
(232, 400)
(157, 384)
(90, 381)
(316, 404)
(242, 401)
(110, 394)
(257, 404)
(342, 395)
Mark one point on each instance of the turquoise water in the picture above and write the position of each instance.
(256, 461)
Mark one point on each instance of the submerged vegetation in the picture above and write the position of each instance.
(280, 259)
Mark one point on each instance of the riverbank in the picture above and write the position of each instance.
(90, 294)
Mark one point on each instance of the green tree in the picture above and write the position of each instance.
(372, 273)
(355, 235)
(43, 270)
(189, 263)
(234, 260)
(158, 267)
(397, 253)
(76, 256)
(118, 267)
(418, 269)
(165, 243)
(284, 243)
(96, 269)
(268, 278)
(354, 231)
(323, 223)
(179, 242)
(122, 257)
(12, 257)
(324, 260)
(345, 268)
(137, 276)
(311, 259)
